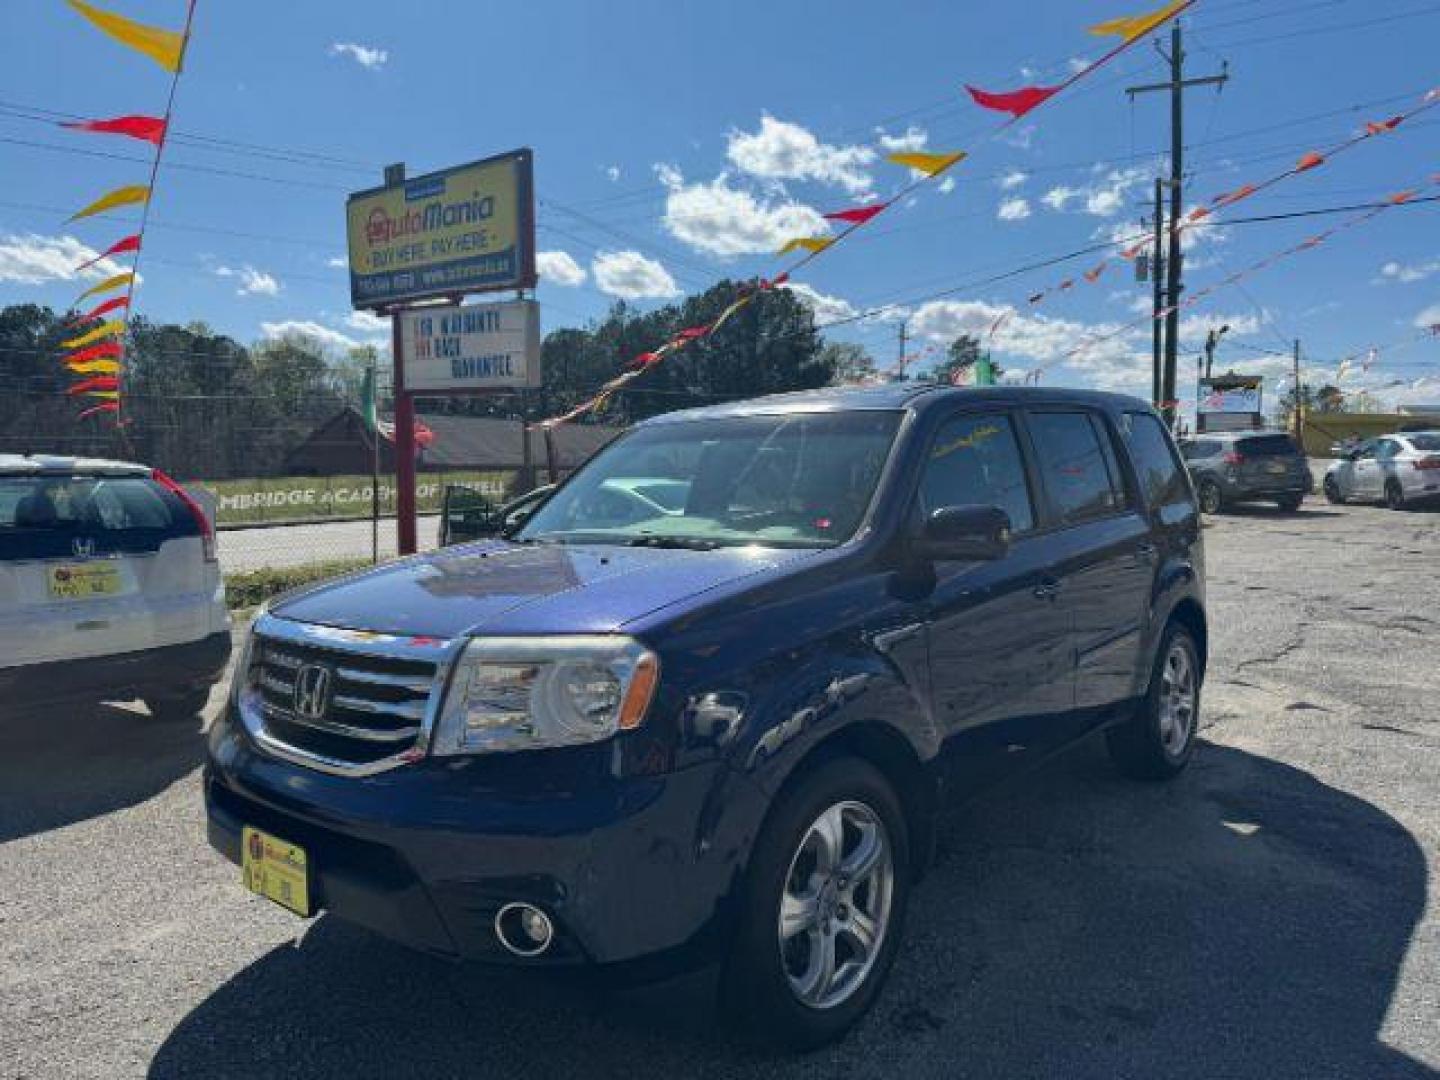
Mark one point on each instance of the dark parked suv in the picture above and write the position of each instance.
(1249, 466)
(709, 701)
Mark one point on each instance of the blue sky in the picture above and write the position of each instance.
(677, 142)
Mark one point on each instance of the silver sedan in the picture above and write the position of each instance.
(1397, 470)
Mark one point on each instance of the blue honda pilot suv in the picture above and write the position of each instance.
(708, 702)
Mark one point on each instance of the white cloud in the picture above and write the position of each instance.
(631, 276)
(1103, 198)
(780, 150)
(1012, 179)
(364, 55)
(559, 268)
(1407, 273)
(1077, 64)
(1429, 317)
(826, 309)
(32, 259)
(257, 283)
(314, 331)
(1016, 209)
(612, 173)
(338, 263)
(721, 219)
(947, 185)
(366, 321)
(911, 139)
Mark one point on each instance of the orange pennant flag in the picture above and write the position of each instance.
(1131, 27)
(1093, 276)
(812, 244)
(165, 47)
(121, 196)
(1231, 197)
(114, 281)
(1402, 197)
(96, 367)
(929, 164)
(1309, 161)
(1200, 213)
(105, 329)
(104, 407)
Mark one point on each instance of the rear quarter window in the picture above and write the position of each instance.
(1267, 446)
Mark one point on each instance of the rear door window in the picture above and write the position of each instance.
(975, 461)
(1161, 475)
(43, 516)
(1267, 446)
(1426, 444)
(1079, 477)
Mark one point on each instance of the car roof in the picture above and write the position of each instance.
(1236, 436)
(65, 465)
(899, 396)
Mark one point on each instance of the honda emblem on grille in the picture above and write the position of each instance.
(312, 692)
(83, 546)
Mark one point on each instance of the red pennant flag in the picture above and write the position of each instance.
(101, 309)
(1016, 102)
(149, 129)
(1200, 213)
(780, 279)
(99, 382)
(120, 247)
(860, 215)
(1402, 197)
(1230, 197)
(106, 406)
(1379, 127)
(1068, 283)
(1134, 250)
(1093, 276)
(106, 349)
(1309, 161)
(691, 333)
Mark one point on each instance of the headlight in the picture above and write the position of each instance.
(529, 693)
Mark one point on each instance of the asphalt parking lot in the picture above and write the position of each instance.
(1265, 916)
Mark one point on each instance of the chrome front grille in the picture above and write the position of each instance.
(342, 701)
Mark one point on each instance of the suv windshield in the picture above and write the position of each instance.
(1267, 446)
(801, 480)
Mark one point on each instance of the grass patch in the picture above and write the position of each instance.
(253, 587)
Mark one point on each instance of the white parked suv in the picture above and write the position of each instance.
(109, 587)
(1398, 470)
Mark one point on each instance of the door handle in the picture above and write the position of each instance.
(1048, 588)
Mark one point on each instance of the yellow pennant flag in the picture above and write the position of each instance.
(105, 329)
(121, 196)
(165, 47)
(112, 282)
(96, 367)
(811, 244)
(929, 164)
(1131, 27)
(111, 395)
(731, 310)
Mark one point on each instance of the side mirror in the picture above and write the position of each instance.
(965, 534)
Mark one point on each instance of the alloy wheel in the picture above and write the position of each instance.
(836, 904)
(1179, 700)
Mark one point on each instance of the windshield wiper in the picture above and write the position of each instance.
(688, 543)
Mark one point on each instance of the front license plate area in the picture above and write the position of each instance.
(82, 581)
(275, 869)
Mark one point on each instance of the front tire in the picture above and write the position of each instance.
(823, 906)
(178, 706)
(1212, 499)
(1157, 742)
(1394, 495)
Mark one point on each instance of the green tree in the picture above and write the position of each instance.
(962, 355)
(849, 362)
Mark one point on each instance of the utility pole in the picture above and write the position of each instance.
(1158, 290)
(900, 360)
(1173, 284)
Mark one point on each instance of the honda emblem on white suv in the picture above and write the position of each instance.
(312, 692)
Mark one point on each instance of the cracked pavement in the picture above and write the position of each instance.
(1267, 915)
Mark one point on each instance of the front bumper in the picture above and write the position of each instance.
(194, 665)
(628, 869)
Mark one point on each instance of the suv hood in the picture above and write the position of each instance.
(502, 588)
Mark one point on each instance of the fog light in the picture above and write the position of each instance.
(524, 929)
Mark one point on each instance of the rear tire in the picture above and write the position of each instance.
(1394, 495)
(1212, 499)
(1290, 503)
(1332, 491)
(834, 859)
(1157, 742)
(177, 707)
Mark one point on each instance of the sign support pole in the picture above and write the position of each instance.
(404, 446)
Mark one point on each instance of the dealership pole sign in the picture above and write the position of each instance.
(481, 347)
(461, 230)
